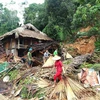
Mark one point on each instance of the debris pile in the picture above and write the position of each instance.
(36, 83)
(18, 82)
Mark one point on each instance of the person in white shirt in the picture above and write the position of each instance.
(46, 55)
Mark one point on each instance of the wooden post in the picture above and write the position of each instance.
(18, 43)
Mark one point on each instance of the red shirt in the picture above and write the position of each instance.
(58, 65)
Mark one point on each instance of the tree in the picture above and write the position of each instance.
(8, 20)
(60, 14)
(35, 14)
(53, 17)
(86, 15)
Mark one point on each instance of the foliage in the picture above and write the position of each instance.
(54, 31)
(13, 74)
(8, 20)
(97, 45)
(35, 14)
(87, 15)
(59, 19)
(53, 18)
(92, 2)
(27, 80)
(67, 61)
(93, 66)
(86, 65)
(94, 31)
(96, 66)
(40, 93)
(60, 14)
(25, 93)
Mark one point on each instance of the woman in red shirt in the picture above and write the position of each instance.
(58, 66)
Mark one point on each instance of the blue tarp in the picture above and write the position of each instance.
(4, 66)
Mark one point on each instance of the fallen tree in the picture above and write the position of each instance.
(77, 61)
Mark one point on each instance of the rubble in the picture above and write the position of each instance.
(37, 83)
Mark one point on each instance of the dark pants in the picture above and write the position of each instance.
(30, 63)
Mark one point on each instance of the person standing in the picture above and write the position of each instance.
(58, 65)
(29, 56)
(55, 52)
(46, 55)
(64, 53)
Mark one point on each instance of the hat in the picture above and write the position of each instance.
(30, 49)
(56, 57)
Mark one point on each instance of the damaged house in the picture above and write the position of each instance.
(19, 40)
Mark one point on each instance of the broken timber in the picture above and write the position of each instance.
(77, 61)
(39, 49)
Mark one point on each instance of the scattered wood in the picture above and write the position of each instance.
(77, 61)
(28, 72)
(42, 83)
(68, 89)
(35, 60)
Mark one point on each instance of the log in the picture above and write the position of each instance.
(76, 62)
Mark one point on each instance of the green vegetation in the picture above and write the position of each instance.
(97, 44)
(53, 18)
(87, 15)
(86, 65)
(25, 93)
(61, 19)
(13, 74)
(27, 80)
(96, 67)
(8, 20)
(28, 94)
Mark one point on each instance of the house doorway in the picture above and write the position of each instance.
(21, 52)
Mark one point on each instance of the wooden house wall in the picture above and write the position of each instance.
(13, 46)
(6, 46)
(18, 45)
(27, 41)
(2, 51)
(30, 41)
(10, 46)
(13, 43)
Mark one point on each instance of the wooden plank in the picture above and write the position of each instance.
(37, 61)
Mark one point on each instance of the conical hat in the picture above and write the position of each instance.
(56, 57)
(68, 55)
(48, 63)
